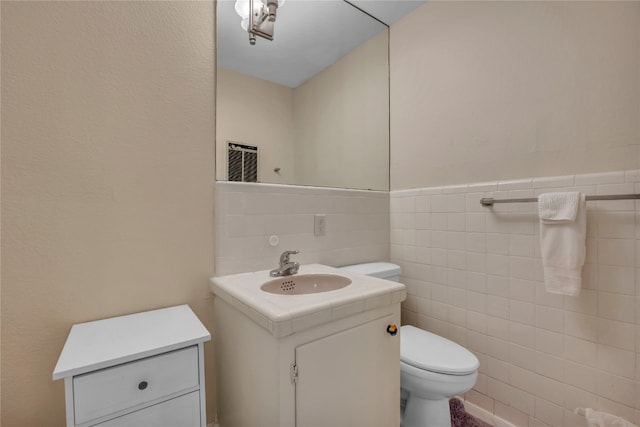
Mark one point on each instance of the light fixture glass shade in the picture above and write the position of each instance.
(242, 8)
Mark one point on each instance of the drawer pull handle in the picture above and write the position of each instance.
(142, 385)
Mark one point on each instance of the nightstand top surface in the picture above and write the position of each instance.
(108, 342)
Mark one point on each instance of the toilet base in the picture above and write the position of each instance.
(436, 413)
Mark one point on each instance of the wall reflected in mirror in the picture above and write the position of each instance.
(310, 107)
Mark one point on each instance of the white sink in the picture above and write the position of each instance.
(302, 284)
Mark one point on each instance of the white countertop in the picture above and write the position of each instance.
(283, 315)
(102, 343)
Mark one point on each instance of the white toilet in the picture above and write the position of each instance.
(432, 368)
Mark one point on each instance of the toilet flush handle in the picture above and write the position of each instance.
(392, 330)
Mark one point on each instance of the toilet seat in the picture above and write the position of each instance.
(430, 352)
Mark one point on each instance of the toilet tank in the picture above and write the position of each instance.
(382, 270)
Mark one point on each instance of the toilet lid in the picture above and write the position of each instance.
(434, 353)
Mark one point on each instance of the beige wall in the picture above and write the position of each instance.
(255, 112)
(107, 173)
(497, 90)
(342, 121)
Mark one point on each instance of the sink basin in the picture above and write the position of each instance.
(302, 284)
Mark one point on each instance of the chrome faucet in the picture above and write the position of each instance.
(287, 268)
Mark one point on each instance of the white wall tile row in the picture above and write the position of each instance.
(474, 275)
(357, 225)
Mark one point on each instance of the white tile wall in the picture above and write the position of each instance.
(474, 275)
(357, 226)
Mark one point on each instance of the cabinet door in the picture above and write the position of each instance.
(183, 411)
(351, 378)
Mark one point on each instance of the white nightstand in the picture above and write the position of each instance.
(144, 369)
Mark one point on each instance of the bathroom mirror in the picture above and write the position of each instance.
(310, 107)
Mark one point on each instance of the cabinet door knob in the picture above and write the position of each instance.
(392, 330)
(142, 385)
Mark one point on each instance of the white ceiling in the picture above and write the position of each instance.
(309, 36)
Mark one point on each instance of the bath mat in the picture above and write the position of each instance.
(460, 417)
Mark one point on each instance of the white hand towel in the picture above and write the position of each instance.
(562, 241)
(558, 206)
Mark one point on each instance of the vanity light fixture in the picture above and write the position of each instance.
(258, 17)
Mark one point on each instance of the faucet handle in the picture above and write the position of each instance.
(284, 258)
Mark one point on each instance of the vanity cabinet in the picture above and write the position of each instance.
(145, 369)
(327, 360)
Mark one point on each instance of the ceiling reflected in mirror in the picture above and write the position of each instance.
(309, 35)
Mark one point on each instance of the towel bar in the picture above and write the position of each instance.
(489, 201)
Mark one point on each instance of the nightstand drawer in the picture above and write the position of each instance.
(183, 411)
(125, 386)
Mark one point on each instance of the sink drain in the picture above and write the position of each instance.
(288, 285)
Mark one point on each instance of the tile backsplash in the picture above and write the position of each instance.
(474, 275)
(247, 214)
